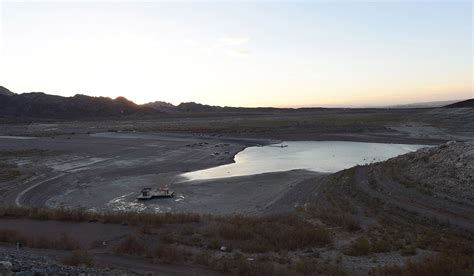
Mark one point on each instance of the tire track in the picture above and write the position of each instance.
(22, 193)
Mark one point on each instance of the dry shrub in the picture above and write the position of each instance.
(331, 217)
(167, 238)
(254, 268)
(274, 233)
(79, 215)
(63, 242)
(171, 253)
(440, 264)
(66, 242)
(79, 257)
(8, 174)
(310, 266)
(131, 246)
(204, 259)
(306, 266)
(358, 247)
(408, 251)
(12, 236)
(381, 245)
(148, 230)
(242, 266)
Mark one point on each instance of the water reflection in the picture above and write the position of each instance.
(324, 156)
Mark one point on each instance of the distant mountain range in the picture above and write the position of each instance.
(41, 105)
(159, 105)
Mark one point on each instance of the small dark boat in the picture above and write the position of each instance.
(149, 193)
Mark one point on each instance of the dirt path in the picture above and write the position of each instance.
(410, 200)
(22, 193)
(102, 262)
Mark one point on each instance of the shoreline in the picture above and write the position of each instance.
(128, 162)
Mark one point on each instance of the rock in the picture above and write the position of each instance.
(6, 264)
(24, 273)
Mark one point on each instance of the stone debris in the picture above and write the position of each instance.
(22, 263)
(447, 170)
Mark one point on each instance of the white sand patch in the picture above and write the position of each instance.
(121, 204)
(18, 137)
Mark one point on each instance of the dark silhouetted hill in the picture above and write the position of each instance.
(423, 104)
(466, 103)
(193, 107)
(196, 107)
(159, 105)
(41, 105)
(5, 92)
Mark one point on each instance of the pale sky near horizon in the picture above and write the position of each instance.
(310, 53)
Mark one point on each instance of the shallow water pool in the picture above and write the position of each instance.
(320, 156)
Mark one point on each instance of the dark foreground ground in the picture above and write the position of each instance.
(411, 214)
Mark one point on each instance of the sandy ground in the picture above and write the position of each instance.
(253, 194)
(106, 171)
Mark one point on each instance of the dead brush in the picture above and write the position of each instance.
(78, 258)
(172, 253)
(358, 247)
(12, 236)
(131, 246)
(333, 217)
(439, 264)
(80, 215)
(64, 242)
(273, 233)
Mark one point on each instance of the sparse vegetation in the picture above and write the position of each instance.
(172, 254)
(440, 264)
(390, 227)
(285, 232)
(78, 215)
(332, 217)
(358, 247)
(8, 172)
(79, 257)
(131, 246)
(15, 237)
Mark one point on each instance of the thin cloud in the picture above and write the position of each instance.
(239, 52)
(233, 40)
(229, 45)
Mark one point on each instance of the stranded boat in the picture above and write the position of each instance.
(278, 146)
(149, 193)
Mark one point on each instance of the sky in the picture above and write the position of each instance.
(231, 53)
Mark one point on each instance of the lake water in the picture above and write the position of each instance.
(324, 156)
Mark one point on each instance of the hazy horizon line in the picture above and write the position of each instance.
(381, 105)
